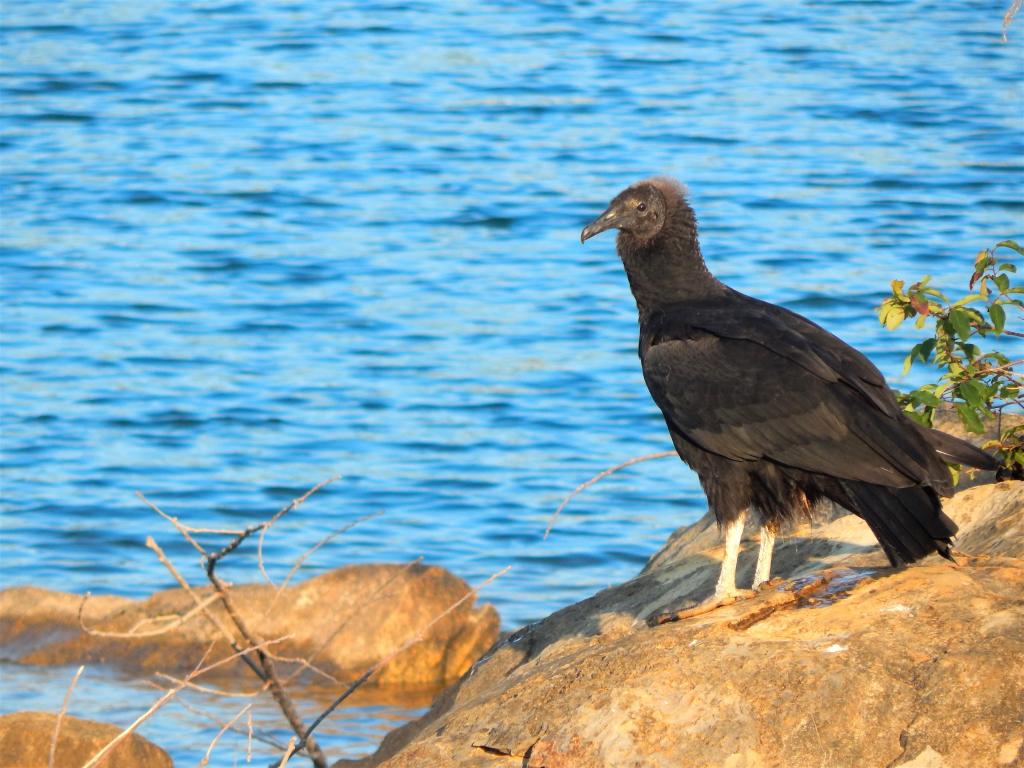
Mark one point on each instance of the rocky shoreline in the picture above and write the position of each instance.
(870, 666)
(917, 668)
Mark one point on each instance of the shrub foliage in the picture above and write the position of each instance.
(979, 384)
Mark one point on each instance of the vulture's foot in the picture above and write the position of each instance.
(709, 605)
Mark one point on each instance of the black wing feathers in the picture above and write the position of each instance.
(747, 380)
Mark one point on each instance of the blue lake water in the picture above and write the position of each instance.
(248, 246)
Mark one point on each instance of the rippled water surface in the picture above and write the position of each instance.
(248, 246)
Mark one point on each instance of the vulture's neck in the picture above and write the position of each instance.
(668, 268)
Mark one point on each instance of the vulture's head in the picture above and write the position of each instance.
(640, 210)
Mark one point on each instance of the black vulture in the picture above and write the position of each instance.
(772, 411)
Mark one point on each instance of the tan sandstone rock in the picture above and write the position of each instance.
(343, 621)
(911, 668)
(25, 739)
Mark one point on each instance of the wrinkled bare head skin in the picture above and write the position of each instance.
(640, 210)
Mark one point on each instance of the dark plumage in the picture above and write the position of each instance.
(772, 411)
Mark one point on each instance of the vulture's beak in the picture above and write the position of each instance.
(606, 220)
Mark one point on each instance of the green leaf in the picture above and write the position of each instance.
(924, 419)
(961, 322)
(973, 393)
(1012, 245)
(998, 315)
(954, 471)
(908, 361)
(970, 419)
(1003, 281)
(1007, 267)
(967, 299)
(924, 397)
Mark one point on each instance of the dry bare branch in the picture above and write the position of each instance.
(181, 528)
(60, 716)
(225, 632)
(250, 731)
(266, 663)
(265, 526)
(248, 743)
(329, 537)
(418, 637)
(197, 671)
(175, 621)
(289, 751)
(168, 695)
(1008, 17)
(600, 476)
(334, 633)
(209, 750)
(303, 664)
(210, 690)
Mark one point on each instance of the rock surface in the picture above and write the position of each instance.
(343, 621)
(911, 668)
(25, 739)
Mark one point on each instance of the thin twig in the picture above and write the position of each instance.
(265, 526)
(210, 690)
(176, 621)
(209, 750)
(95, 760)
(248, 743)
(289, 751)
(168, 695)
(1008, 18)
(265, 662)
(382, 662)
(182, 529)
(1007, 367)
(600, 476)
(253, 733)
(60, 715)
(195, 597)
(329, 537)
(305, 555)
(303, 664)
(370, 599)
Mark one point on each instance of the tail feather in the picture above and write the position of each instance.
(908, 522)
(956, 451)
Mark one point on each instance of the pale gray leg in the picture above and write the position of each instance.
(727, 578)
(764, 557)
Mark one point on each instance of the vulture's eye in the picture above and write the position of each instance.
(641, 207)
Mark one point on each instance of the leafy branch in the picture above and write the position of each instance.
(978, 384)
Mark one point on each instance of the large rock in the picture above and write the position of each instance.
(917, 667)
(342, 621)
(25, 739)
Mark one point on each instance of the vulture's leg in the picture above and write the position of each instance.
(764, 557)
(726, 586)
(725, 591)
